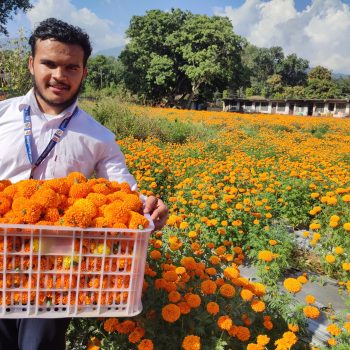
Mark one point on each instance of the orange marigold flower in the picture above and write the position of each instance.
(292, 285)
(146, 344)
(310, 299)
(242, 333)
(231, 272)
(136, 335)
(225, 322)
(227, 290)
(125, 327)
(133, 202)
(191, 342)
(346, 226)
(334, 330)
(193, 300)
(79, 190)
(110, 325)
(184, 307)
(246, 294)
(293, 327)
(311, 311)
(330, 258)
(116, 212)
(258, 305)
(213, 308)
(174, 296)
(137, 221)
(75, 177)
(155, 254)
(5, 204)
(170, 276)
(46, 197)
(208, 287)
(171, 313)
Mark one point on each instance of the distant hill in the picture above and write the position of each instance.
(339, 75)
(114, 51)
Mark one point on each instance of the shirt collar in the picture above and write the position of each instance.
(30, 100)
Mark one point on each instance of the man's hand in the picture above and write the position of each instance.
(158, 211)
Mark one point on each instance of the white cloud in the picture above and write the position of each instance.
(99, 29)
(319, 33)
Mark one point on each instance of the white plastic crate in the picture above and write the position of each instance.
(54, 271)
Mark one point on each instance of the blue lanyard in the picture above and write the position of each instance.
(28, 137)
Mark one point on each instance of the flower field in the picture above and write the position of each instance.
(235, 198)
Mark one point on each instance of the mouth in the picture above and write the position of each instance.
(58, 87)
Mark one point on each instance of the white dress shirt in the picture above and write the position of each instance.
(86, 146)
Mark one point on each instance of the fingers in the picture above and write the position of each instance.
(158, 210)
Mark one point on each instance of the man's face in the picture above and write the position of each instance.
(58, 71)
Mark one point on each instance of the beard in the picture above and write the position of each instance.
(62, 105)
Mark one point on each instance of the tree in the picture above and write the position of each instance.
(293, 70)
(178, 53)
(8, 8)
(104, 72)
(321, 85)
(14, 67)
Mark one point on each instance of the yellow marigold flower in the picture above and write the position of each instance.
(171, 313)
(338, 250)
(330, 258)
(258, 305)
(292, 285)
(225, 322)
(213, 308)
(346, 198)
(310, 299)
(333, 224)
(227, 290)
(293, 328)
(231, 272)
(208, 287)
(311, 311)
(192, 234)
(302, 279)
(314, 226)
(334, 330)
(180, 270)
(191, 342)
(346, 266)
(145, 344)
(193, 300)
(347, 226)
(347, 326)
(259, 289)
(332, 341)
(315, 195)
(262, 339)
(272, 242)
(265, 255)
(184, 225)
(246, 294)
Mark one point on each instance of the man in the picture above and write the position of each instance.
(30, 128)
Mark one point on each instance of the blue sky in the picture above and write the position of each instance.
(317, 30)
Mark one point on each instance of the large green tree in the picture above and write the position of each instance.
(321, 85)
(8, 8)
(178, 53)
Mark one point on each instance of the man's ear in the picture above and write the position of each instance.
(31, 64)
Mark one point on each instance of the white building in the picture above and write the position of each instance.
(330, 107)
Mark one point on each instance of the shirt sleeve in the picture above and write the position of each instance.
(112, 165)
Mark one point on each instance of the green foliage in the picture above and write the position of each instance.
(177, 53)
(117, 116)
(8, 8)
(14, 66)
(104, 72)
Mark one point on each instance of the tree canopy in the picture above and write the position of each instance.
(178, 53)
(8, 8)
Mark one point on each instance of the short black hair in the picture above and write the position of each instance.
(53, 28)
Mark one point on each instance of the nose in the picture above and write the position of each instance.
(58, 73)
